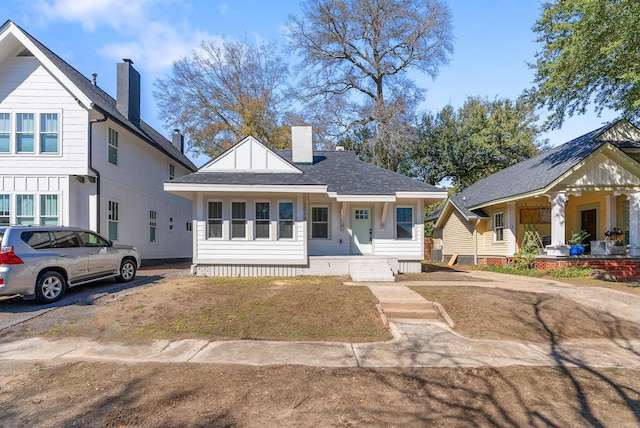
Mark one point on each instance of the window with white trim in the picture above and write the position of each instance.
(113, 219)
(113, 147)
(25, 209)
(172, 171)
(5, 210)
(5, 132)
(263, 220)
(25, 133)
(498, 227)
(404, 223)
(238, 220)
(49, 210)
(49, 133)
(214, 221)
(320, 222)
(170, 223)
(285, 220)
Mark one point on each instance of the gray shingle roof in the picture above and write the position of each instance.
(107, 104)
(532, 174)
(341, 171)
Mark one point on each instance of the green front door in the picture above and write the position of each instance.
(362, 231)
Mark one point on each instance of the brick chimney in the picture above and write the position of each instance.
(128, 96)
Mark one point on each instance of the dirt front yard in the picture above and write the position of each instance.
(193, 395)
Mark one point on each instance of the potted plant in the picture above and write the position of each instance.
(619, 248)
(577, 242)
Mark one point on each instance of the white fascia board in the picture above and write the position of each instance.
(202, 187)
(80, 96)
(423, 195)
(363, 198)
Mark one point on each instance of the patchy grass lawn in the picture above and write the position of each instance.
(492, 313)
(303, 308)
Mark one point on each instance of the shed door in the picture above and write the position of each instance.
(361, 229)
(588, 222)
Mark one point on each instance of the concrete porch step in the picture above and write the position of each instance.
(371, 270)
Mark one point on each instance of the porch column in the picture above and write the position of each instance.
(558, 246)
(610, 204)
(511, 225)
(634, 224)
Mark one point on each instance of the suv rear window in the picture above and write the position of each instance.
(36, 240)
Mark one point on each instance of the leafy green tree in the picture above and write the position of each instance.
(474, 141)
(590, 53)
(355, 55)
(224, 92)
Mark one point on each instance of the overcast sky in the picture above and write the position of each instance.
(493, 43)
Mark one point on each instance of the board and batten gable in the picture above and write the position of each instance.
(249, 155)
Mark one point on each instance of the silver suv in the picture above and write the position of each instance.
(40, 262)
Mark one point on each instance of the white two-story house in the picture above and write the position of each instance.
(72, 155)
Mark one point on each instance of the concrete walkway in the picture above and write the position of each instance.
(430, 344)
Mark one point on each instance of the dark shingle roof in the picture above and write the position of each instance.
(341, 171)
(532, 174)
(107, 105)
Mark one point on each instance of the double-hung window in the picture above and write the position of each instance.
(25, 209)
(5, 210)
(49, 133)
(153, 221)
(404, 223)
(263, 220)
(113, 147)
(238, 220)
(285, 220)
(498, 227)
(25, 132)
(113, 220)
(5, 132)
(320, 222)
(214, 220)
(49, 209)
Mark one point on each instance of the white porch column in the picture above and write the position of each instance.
(511, 225)
(558, 246)
(634, 224)
(610, 204)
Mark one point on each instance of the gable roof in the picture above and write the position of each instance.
(337, 172)
(539, 172)
(104, 103)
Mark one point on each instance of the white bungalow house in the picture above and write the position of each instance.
(303, 212)
(590, 183)
(70, 154)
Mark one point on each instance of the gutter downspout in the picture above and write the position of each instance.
(95, 171)
(475, 243)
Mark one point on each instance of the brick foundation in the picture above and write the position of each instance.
(625, 269)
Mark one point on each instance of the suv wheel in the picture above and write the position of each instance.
(127, 271)
(50, 287)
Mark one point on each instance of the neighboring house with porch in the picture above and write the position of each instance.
(591, 183)
(72, 155)
(303, 212)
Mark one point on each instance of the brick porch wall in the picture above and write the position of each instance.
(624, 269)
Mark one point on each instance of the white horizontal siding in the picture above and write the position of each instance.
(411, 248)
(276, 251)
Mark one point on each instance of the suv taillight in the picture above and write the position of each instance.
(8, 257)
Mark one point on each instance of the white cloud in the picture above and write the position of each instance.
(155, 32)
(121, 15)
(223, 9)
(157, 46)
